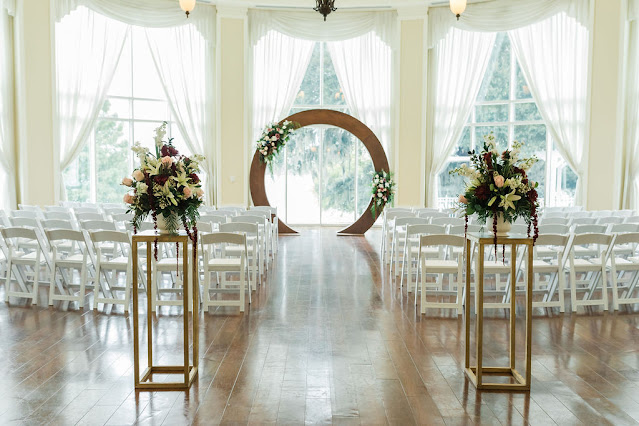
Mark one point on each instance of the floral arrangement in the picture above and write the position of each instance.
(498, 185)
(166, 184)
(382, 189)
(274, 137)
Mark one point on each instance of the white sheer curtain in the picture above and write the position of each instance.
(553, 55)
(279, 64)
(87, 50)
(363, 68)
(457, 66)
(184, 61)
(631, 129)
(7, 133)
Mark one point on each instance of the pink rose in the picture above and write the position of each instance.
(463, 199)
(138, 175)
(129, 199)
(187, 192)
(499, 181)
(199, 192)
(167, 161)
(127, 181)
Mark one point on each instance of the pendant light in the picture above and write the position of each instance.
(325, 7)
(457, 7)
(187, 6)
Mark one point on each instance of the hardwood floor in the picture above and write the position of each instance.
(327, 339)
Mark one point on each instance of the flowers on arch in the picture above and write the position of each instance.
(165, 183)
(497, 183)
(382, 190)
(274, 137)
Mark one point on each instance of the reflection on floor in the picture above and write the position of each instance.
(327, 339)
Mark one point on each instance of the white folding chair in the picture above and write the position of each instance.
(624, 270)
(252, 232)
(274, 220)
(56, 224)
(449, 221)
(24, 214)
(554, 229)
(398, 239)
(26, 260)
(271, 225)
(221, 265)
(89, 217)
(548, 261)
(447, 264)
(264, 242)
(591, 263)
(632, 219)
(70, 254)
(610, 220)
(116, 261)
(554, 220)
(170, 263)
(388, 220)
(583, 221)
(411, 249)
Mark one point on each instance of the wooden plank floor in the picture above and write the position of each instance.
(325, 340)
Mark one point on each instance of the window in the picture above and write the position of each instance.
(505, 107)
(135, 106)
(323, 175)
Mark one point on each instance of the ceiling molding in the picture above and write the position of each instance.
(351, 5)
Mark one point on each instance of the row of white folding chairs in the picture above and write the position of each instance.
(27, 256)
(588, 213)
(592, 255)
(607, 220)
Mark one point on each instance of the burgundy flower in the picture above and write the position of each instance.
(194, 178)
(532, 195)
(519, 171)
(168, 150)
(488, 159)
(482, 192)
(161, 180)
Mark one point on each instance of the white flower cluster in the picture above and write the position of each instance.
(491, 143)
(160, 132)
(383, 185)
(273, 137)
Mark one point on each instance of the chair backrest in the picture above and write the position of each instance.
(255, 212)
(223, 238)
(601, 213)
(610, 220)
(555, 220)
(248, 228)
(24, 214)
(61, 209)
(399, 214)
(454, 230)
(82, 217)
(592, 238)
(101, 225)
(426, 210)
(579, 214)
(442, 240)
(632, 219)
(403, 221)
(204, 227)
(424, 229)
(272, 210)
(24, 233)
(81, 210)
(59, 215)
(207, 209)
(30, 207)
(519, 229)
(629, 238)
(552, 240)
(144, 226)
(551, 214)
(218, 213)
(122, 217)
(398, 209)
(56, 224)
(64, 234)
(584, 221)
(109, 237)
(24, 221)
(433, 215)
(235, 209)
(260, 220)
(212, 218)
(624, 228)
(114, 210)
(590, 229)
(554, 229)
(447, 221)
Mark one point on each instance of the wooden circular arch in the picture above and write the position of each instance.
(337, 119)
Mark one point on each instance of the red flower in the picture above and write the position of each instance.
(194, 178)
(532, 195)
(168, 150)
(519, 171)
(482, 192)
(161, 180)
(488, 159)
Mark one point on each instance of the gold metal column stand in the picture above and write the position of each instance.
(187, 369)
(476, 373)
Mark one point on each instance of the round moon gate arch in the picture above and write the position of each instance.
(337, 119)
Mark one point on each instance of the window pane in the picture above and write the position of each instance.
(303, 204)
(522, 89)
(333, 94)
(144, 132)
(77, 180)
(463, 146)
(534, 139)
(310, 88)
(151, 110)
(338, 177)
(500, 132)
(111, 159)
(491, 113)
(450, 186)
(527, 112)
(116, 108)
(496, 83)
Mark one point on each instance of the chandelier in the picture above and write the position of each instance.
(187, 6)
(457, 7)
(325, 7)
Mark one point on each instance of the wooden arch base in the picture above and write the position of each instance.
(337, 119)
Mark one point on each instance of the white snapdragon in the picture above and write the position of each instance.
(160, 132)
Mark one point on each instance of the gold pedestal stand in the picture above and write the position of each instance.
(187, 369)
(476, 373)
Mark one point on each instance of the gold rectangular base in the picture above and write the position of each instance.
(145, 384)
(521, 384)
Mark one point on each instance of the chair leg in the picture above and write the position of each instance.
(36, 281)
(423, 292)
(7, 280)
(604, 286)
(242, 287)
(128, 282)
(573, 288)
(52, 284)
(83, 279)
(615, 294)
(561, 277)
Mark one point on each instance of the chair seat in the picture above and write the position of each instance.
(544, 266)
(593, 264)
(70, 260)
(115, 263)
(440, 266)
(225, 264)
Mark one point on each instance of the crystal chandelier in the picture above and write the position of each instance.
(457, 7)
(325, 7)
(187, 6)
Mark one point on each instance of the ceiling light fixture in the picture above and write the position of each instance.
(457, 7)
(325, 7)
(187, 6)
